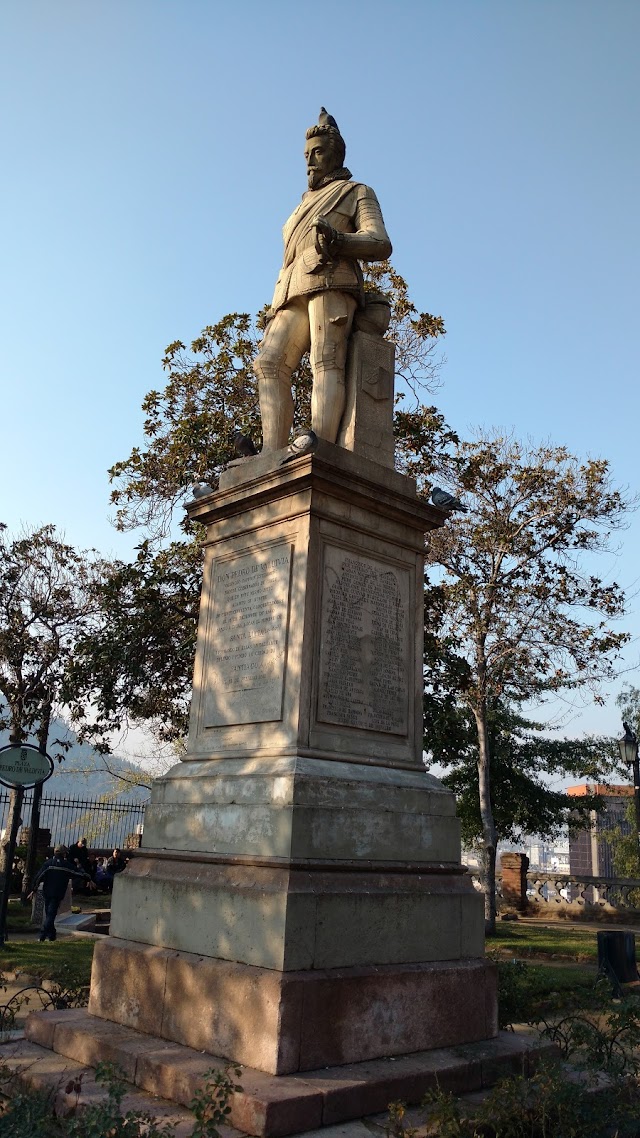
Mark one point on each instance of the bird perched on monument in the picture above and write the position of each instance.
(301, 445)
(201, 489)
(446, 501)
(325, 119)
(243, 444)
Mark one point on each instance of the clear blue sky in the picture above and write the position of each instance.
(153, 148)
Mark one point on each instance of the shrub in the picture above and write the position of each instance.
(32, 1113)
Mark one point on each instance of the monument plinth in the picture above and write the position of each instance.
(298, 900)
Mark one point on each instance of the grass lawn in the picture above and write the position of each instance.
(18, 916)
(67, 960)
(566, 942)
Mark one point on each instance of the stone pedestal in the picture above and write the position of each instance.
(298, 901)
(367, 424)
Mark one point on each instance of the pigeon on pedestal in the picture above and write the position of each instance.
(243, 444)
(448, 502)
(201, 489)
(301, 445)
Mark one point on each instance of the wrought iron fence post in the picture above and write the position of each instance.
(32, 847)
(8, 851)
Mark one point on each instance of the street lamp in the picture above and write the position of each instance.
(628, 747)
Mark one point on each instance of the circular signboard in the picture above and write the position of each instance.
(24, 766)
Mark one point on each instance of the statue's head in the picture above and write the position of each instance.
(325, 149)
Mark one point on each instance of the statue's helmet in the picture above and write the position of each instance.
(327, 126)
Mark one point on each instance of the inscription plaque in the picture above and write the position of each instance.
(364, 643)
(244, 665)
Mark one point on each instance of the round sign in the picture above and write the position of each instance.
(24, 766)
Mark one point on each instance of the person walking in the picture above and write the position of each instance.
(55, 875)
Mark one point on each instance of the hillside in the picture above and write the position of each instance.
(82, 772)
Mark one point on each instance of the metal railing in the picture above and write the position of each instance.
(102, 821)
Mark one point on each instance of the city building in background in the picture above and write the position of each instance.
(589, 851)
(548, 857)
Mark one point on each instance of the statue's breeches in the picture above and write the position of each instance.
(320, 324)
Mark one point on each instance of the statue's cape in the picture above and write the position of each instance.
(301, 220)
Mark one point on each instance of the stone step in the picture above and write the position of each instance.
(39, 1069)
(273, 1106)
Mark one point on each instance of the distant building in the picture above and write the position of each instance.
(548, 857)
(589, 850)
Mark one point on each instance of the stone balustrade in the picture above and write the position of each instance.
(570, 893)
(536, 893)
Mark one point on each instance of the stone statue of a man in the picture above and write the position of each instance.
(337, 224)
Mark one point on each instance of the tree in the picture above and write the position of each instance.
(514, 611)
(46, 600)
(210, 391)
(137, 666)
(625, 842)
(522, 760)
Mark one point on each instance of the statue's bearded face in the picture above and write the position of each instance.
(320, 156)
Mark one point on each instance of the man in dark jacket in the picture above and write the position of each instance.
(116, 863)
(55, 875)
(79, 853)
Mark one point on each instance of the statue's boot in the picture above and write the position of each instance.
(327, 402)
(276, 402)
(285, 342)
(330, 319)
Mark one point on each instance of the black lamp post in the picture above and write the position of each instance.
(628, 746)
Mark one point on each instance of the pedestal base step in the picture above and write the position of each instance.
(273, 1106)
(34, 1068)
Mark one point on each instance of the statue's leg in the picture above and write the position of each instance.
(285, 342)
(330, 318)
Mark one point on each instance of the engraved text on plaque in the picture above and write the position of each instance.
(364, 643)
(247, 638)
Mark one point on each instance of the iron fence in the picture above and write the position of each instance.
(102, 822)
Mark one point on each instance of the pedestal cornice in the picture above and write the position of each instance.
(330, 472)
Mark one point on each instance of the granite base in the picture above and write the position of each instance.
(282, 1022)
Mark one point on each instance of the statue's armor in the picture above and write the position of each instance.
(353, 210)
(314, 303)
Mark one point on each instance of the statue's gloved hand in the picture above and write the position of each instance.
(327, 238)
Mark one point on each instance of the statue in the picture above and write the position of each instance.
(337, 224)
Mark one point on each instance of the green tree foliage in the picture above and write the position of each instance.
(623, 841)
(629, 704)
(522, 760)
(211, 390)
(47, 600)
(137, 666)
(188, 425)
(625, 851)
(514, 610)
